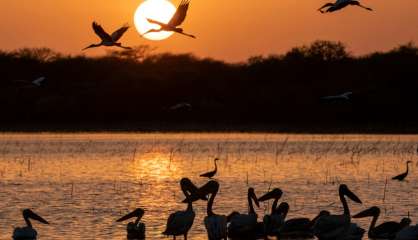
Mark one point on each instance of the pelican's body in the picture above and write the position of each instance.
(28, 232)
(408, 233)
(177, 19)
(135, 230)
(401, 177)
(340, 4)
(180, 222)
(211, 174)
(337, 226)
(108, 40)
(216, 225)
(244, 226)
(386, 230)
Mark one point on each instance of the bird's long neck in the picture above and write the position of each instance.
(189, 201)
(407, 167)
(210, 203)
(345, 205)
(216, 166)
(137, 221)
(274, 206)
(250, 205)
(373, 223)
(28, 223)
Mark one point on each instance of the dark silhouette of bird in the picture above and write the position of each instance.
(108, 40)
(211, 174)
(28, 232)
(340, 4)
(401, 177)
(135, 230)
(177, 19)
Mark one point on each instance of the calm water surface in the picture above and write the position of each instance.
(82, 183)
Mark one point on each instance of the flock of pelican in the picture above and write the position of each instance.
(180, 16)
(245, 226)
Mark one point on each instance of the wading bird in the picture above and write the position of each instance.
(177, 19)
(211, 174)
(28, 232)
(340, 4)
(108, 40)
(135, 230)
(408, 233)
(275, 220)
(180, 222)
(345, 96)
(402, 176)
(244, 226)
(337, 226)
(215, 224)
(386, 230)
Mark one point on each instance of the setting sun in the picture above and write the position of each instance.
(160, 10)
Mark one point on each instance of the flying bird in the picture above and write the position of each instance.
(211, 174)
(38, 82)
(28, 232)
(340, 4)
(345, 96)
(402, 176)
(108, 40)
(135, 230)
(177, 19)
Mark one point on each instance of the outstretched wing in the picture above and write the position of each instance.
(180, 15)
(101, 32)
(119, 33)
(338, 2)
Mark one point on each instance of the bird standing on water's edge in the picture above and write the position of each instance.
(211, 174)
(135, 230)
(28, 232)
(401, 177)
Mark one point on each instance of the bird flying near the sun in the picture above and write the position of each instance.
(340, 4)
(177, 19)
(108, 40)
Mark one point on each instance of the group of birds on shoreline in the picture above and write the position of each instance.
(179, 17)
(245, 226)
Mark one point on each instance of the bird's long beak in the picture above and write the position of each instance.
(267, 196)
(254, 197)
(366, 213)
(352, 196)
(36, 217)
(137, 213)
(87, 47)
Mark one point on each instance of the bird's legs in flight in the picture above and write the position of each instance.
(151, 31)
(188, 35)
(367, 8)
(326, 5)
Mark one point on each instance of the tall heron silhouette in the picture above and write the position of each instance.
(340, 4)
(135, 230)
(177, 19)
(401, 177)
(211, 174)
(28, 232)
(108, 40)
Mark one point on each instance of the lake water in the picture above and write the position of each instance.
(82, 183)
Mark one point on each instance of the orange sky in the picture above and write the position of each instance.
(230, 30)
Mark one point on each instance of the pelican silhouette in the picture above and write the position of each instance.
(408, 233)
(273, 221)
(401, 177)
(340, 4)
(386, 230)
(177, 19)
(108, 40)
(135, 230)
(215, 224)
(336, 226)
(28, 232)
(244, 226)
(211, 174)
(180, 222)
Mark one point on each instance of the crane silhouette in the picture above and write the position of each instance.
(108, 40)
(340, 4)
(177, 19)
(401, 177)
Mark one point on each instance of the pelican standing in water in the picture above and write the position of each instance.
(337, 226)
(177, 19)
(180, 222)
(244, 226)
(135, 230)
(28, 232)
(275, 220)
(215, 224)
(386, 230)
(211, 174)
(402, 176)
(108, 40)
(340, 4)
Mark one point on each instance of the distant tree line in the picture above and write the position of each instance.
(138, 87)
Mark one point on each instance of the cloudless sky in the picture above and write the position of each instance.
(231, 30)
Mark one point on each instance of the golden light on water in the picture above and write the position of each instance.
(159, 10)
